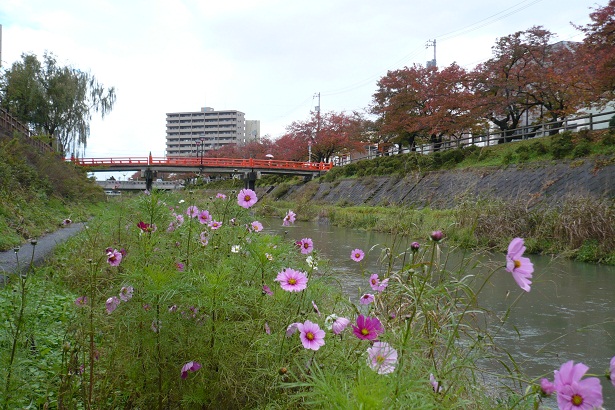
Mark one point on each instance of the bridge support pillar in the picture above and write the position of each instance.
(149, 179)
(249, 179)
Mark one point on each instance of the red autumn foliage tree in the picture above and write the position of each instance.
(425, 101)
(599, 47)
(330, 134)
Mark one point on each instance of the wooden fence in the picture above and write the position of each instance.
(10, 126)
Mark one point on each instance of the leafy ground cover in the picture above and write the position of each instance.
(180, 301)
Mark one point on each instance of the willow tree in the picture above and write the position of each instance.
(55, 101)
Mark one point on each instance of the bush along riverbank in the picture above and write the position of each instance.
(170, 301)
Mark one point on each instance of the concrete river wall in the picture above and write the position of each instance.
(533, 182)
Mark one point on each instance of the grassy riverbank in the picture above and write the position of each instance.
(38, 192)
(100, 329)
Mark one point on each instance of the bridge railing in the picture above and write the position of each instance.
(230, 163)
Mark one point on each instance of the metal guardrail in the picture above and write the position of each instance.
(575, 124)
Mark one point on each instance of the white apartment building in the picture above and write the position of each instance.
(190, 132)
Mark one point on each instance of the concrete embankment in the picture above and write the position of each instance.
(546, 182)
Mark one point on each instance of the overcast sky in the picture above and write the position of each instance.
(266, 58)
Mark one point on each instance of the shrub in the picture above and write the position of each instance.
(582, 149)
(561, 145)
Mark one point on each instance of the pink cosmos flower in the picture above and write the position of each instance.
(192, 211)
(267, 290)
(375, 283)
(111, 304)
(339, 324)
(246, 198)
(171, 227)
(546, 387)
(67, 222)
(220, 196)
(189, 367)
(435, 384)
(291, 329)
(414, 246)
(81, 301)
(256, 226)
(612, 371)
(267, 328)
(126, 293)
(315, 308)
(311, 335)
(382, 358)
(289, 218)
(367, 328)
(520, 267)
(366, 299)
(215, 225)
(306, 245)
(573, 392)
(204, 217)
(114, 257)
(180, 219)
(204, 239)
(180, 266)
(357, 255)
(292, 280)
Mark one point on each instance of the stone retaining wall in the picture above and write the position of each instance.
(537, 182)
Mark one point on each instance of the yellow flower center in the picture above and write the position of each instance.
(379, 359)
(517, 264)
(309, 336)
(577, 400)
(247, 198)
(292, 281)
(364, 332)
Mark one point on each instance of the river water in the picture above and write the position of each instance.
(569, 314)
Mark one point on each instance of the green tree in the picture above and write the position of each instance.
(56, 101)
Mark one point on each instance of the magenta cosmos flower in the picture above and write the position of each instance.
(190, 367)
(246, 198)
(306, 245)
(204, 216)
(111, 304)
(520, 267)
(612, 371)
(256, 226)
(267, 290)
(382, 358)
(114, 257)
(289, 218)
(311, 335)
(357, 255)
(367, 328)
(292, 280)
(220, 196)
(575, 393)
(126, 293)
(436, 236)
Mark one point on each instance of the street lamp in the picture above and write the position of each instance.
(202, 150)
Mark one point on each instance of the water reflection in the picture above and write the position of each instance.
(568, 315)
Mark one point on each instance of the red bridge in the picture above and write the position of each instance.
(250, 168)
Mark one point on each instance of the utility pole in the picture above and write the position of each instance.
(432, 43)
(317, 126)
